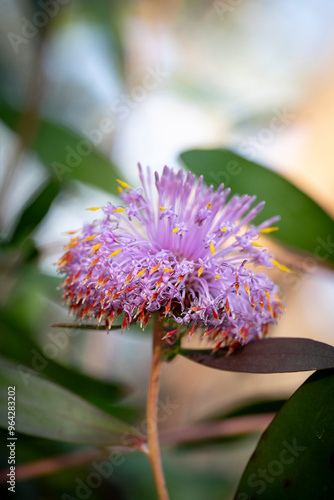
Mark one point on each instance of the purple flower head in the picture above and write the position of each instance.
(179, 248)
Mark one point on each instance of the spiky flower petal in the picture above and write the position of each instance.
(179, 248)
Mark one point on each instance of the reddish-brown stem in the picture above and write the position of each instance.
(230, 427)
(53, 464)
(151, 412)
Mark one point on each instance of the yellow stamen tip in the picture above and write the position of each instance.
(90, 237)
(123, 184)
(209, 205)
(255, 244)
(217, 276)
(268, 230)
(119, 189)
(175, 230)
(167, 270)
(93, 209)
(200, 271)
(162, 209)
(119, 210)
(140, 273)
(281, 266)
(115, 253)
(223, 228)
(155, 268)
(212, 248)
(96, 247)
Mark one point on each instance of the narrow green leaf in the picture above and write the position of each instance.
(304, 224)
(274, 355)
(101, 393)
(35, 211)
(88, 326)
(295, 455)
(66, 154)
(75, 157)
(203, 434)
(210, 431)
(255, 407)
(46, 410)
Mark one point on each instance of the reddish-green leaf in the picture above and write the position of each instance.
(275, 355)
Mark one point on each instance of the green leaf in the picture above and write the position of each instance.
(46, 410)
(274, 355)
(294, 457)
(225, 428)
(66, 154)
(101, 393)
(35, 212)
(31, 278)
(304, 224)
(256, 407)
(189, 476)
(87, 326)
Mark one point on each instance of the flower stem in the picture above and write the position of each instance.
(151, 412)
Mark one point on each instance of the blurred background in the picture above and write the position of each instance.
(87, 90)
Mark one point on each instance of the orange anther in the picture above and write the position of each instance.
(88, 277)
(191, 333)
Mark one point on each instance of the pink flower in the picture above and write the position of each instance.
(179, 248)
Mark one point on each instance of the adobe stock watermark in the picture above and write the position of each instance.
(259, 480)
(58, 342)
(30, 28)
(225, 7)
(121, 107)
(258, 142)
(104, 469)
